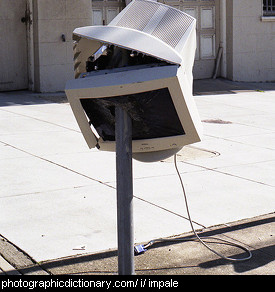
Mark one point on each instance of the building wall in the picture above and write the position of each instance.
(47, 59)
(13, 45)
(53, 55)
(250, 42)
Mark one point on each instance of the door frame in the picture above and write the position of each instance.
(103, 7)
(204, 65)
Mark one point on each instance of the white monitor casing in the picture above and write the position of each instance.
(149, 38)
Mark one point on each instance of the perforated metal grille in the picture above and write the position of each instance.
(138, 15)
(170, 25)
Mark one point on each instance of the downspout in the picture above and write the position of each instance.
(221, 57)
(30, 44)
(223, 37)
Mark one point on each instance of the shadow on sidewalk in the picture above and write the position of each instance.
(261, 257)
(25, 97)
(224, 86)
(106, 262)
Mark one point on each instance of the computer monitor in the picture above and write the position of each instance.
(125, 65)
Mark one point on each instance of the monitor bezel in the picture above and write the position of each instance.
(172, 77)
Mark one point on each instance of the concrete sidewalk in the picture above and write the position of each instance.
(58, 198)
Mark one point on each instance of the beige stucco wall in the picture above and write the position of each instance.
(250, 42)
(53, 57)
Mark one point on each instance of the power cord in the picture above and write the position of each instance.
(195, 233)
(142, 248)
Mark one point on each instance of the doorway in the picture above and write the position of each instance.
(105, 10)
(13, 45)
(206, 13)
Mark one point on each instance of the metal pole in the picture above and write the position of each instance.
(124, 192)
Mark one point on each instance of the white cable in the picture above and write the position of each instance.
(195, 233)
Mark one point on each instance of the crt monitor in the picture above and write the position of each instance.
(144, 65)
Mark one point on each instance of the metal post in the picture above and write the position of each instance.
(124, 192)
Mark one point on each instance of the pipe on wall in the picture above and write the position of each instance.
(223, 37)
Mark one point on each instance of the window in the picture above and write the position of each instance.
(269, 7)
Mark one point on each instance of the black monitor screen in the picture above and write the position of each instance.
(153, 114)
